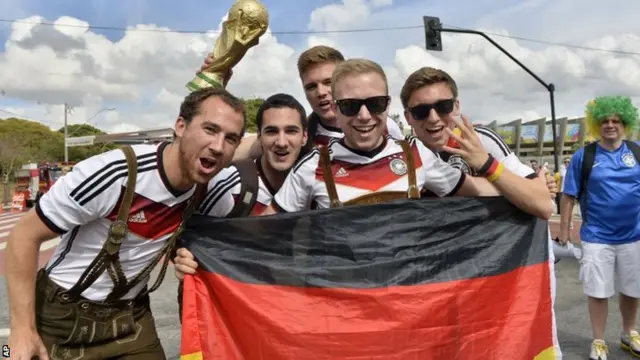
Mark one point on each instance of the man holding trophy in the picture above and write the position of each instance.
(91, 301)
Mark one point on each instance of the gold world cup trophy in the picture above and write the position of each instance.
(247, 21)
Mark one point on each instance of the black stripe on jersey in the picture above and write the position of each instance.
(458, 185)
(222, 191)
(411, 139)
(234, 177)
(118, 175)
(50, 224)
(108, 178)
(65, 252)
(90, 182)
(331, 142)
(307, 157)
(495, 137)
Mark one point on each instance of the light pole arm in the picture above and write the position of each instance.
(550, 87)
(504, 51)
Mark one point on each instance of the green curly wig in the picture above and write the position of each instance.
(603, 107)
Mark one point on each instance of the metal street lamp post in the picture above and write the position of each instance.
(433, 30)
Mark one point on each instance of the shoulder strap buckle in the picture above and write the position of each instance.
(413, 191)
(330, 183)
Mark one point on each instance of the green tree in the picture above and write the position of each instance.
(12, 156)
(252, 106)
(37, 140)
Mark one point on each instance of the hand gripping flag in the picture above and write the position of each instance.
(425, 279)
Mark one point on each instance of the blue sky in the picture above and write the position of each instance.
(489, 84)
(205, 14)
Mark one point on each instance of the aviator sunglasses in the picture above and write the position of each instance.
(421, 111)
(351, 107)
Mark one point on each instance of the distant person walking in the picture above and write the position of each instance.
(605, 178)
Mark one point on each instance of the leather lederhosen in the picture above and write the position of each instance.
(376, 197)
(73, 327)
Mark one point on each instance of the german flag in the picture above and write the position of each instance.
(453, 278)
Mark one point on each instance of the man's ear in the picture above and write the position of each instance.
(407, 116)
(456, 108)
(305, 137)
(180, 127)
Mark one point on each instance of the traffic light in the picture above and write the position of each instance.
(432, 33)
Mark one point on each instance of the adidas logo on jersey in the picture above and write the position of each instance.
(341, 173)
(138, 218)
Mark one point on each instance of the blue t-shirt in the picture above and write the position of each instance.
(613, 191)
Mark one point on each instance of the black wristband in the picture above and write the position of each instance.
(483, 170)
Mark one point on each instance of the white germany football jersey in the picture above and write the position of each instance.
(357, 173)
(224, 190)
(324, 134)
(82, 205)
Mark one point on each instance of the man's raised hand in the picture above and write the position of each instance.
(471, 148)
(207, 62)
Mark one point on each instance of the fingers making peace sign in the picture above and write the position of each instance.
(471, 148)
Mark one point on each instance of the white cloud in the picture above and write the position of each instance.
(349, 14)
(381, 3)
(143, 74)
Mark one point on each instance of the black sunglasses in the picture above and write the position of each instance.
(351, 107)
(442, 107)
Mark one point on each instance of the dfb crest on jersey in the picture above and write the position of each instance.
(457, 162)
(629, 160)
(398, 166)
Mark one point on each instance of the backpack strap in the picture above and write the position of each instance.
(588, 159)
(329, 181)
(248, 189)
(109, 256)
(634, 148)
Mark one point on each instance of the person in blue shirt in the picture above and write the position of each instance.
(610, 206)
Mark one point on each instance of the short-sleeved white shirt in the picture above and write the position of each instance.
(357, 174)
(224, 190)
(82, 205)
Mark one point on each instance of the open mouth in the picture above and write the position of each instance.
(281, 153)
(364, 129)
(324, 104)
(435, 130)
(208, 163)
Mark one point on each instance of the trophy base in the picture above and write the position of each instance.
(202, 81)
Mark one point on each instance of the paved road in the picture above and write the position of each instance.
(571, 311)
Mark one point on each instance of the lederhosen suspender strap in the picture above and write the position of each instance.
(325, 163)
(413, 191)
(109, 258)
(167, 249)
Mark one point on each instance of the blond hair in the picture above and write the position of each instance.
(318, 55)
(424, 77)
(356, 67)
